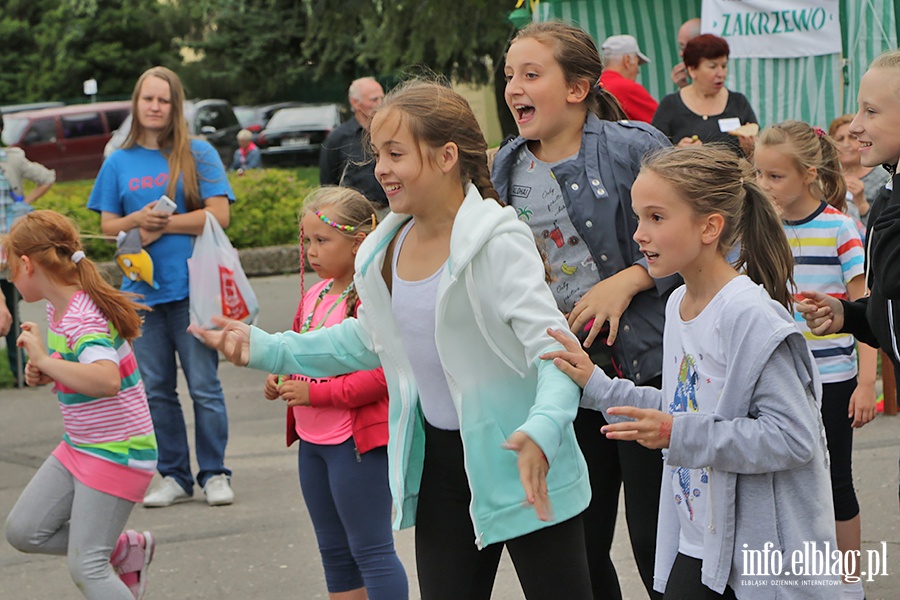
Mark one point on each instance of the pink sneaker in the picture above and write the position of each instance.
(131, 558)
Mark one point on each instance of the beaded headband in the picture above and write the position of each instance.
(338, 226)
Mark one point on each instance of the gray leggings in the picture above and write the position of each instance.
(57, 514)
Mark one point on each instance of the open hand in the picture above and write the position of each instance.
(232, 339)
(650, 428)
(573, 360)
(533, 469)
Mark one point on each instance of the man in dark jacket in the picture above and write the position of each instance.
(345, 158)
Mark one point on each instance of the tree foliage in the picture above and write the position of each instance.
(54, 45)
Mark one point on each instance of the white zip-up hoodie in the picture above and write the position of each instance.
(493, 308)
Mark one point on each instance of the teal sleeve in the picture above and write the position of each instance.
(554, 409)
(343, 348)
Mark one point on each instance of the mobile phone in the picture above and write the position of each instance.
(165, 205)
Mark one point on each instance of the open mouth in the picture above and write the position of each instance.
(524, 111)
(650, 255)
(391, 188)
(864, 145)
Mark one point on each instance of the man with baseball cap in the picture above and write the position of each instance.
(622, 58)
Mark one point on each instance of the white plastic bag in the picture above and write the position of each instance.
(218, 285)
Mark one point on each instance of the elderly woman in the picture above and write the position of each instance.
(705, 110)
(863, 183)
(247, 156)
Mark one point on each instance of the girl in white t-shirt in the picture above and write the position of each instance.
(739, 408)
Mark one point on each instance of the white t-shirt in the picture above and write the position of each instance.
(693, 377)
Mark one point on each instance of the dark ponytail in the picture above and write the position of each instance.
(714, 180)
(765, 253)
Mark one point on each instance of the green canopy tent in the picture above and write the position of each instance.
(814, 89)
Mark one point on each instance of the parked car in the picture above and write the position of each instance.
(213, 120)
(69, 139)
(294, 136)
(13, 108)
(255, 118)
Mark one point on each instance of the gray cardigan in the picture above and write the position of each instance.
(597, 190)
(764, 448)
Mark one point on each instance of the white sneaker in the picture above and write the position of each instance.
(218, 490)
(165, 492)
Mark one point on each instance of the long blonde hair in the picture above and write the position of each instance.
(50, 240)
(174, 141)
(714, 180)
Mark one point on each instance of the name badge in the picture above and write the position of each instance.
(729, 124)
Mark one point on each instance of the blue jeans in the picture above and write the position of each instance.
(165, 333)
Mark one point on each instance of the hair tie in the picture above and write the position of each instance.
(599, 84)
(338, 226)
(77, 256)
(820, 133)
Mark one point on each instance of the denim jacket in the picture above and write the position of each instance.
(597, 190)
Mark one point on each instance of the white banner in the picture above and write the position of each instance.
(774, 28)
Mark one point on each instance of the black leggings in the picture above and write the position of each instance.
(684, 582)
(549, 562)
(611, 464)
(839, 434)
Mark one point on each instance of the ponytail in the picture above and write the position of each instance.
(607, 106)
(765, 253)
(712, 179)
(831, 177)
(810, 147)
(51, 240)
(119, 307)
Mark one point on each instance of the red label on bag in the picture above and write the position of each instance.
(233, 304)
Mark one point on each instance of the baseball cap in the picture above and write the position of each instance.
(618, 45)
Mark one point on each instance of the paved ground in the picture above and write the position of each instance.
(263, 546)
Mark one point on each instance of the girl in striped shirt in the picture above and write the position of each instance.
(799, 167)
(78, 502)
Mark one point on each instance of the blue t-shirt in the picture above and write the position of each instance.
(133, 177)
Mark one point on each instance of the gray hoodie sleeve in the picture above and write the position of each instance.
(781, 432)
(601, 392)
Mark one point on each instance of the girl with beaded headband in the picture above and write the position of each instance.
(455, 308)
(341, 422)
(79, 500)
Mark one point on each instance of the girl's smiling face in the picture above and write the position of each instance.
(404, 167)
(877, 124)
(537, 92)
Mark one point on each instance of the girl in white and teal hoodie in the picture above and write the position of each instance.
(455, 308)
(745, 502)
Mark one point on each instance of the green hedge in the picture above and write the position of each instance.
(265, 214)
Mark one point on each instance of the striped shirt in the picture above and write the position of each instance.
(828, 254)
(109, 443)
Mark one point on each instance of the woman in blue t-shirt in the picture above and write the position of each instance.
(159, 157)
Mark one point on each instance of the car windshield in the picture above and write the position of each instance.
(12, 129)
(245, 115)
(304, 116)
